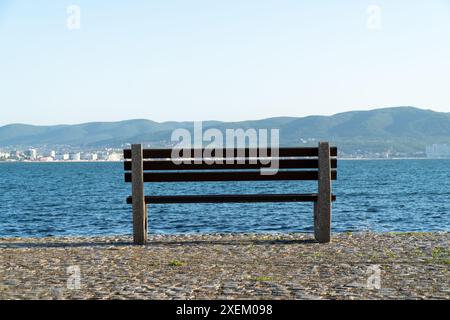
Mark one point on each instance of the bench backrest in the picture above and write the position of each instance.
(229, 164)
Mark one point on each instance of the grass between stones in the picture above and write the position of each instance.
(176, 263)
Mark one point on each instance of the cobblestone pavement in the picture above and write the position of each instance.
(228, 266)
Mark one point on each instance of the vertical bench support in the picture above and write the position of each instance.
(139, 207)
(322, 208)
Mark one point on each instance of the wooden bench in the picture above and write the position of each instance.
(155, 165)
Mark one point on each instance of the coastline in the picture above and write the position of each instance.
(121, 161)
(228, 266)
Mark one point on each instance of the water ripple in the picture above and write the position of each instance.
(61, 199)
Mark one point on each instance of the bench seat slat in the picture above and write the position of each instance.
(223, 198)
(283, 152)
(228, 176)
(283, 164)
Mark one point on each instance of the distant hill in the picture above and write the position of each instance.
(402, 129)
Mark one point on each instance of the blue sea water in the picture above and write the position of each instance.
(61, 199)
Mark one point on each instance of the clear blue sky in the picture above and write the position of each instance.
(224, 60)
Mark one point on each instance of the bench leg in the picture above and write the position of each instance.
(322, 223)
(140, 226)
(322, 208)
(139, 205)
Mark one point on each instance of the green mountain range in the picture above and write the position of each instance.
(405, 130)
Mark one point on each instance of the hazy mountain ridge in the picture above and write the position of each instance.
(401, 129)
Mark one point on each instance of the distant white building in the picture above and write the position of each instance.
(62, 157)
(437, 151)
(75, 156)
(4, 155)
(114, 156)
(90, 156)
(31, 154)
(102, 155)
(52, 154)
(16, 155)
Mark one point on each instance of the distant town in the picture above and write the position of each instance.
(435, 151)
(438, 151)
(70, 154)
(39, 155)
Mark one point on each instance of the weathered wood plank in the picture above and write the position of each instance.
(322, 211)
(228, 198)
(188, 176)
(282, 152)
(282, 164)
(139, 206)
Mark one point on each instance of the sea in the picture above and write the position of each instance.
(88, 199)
